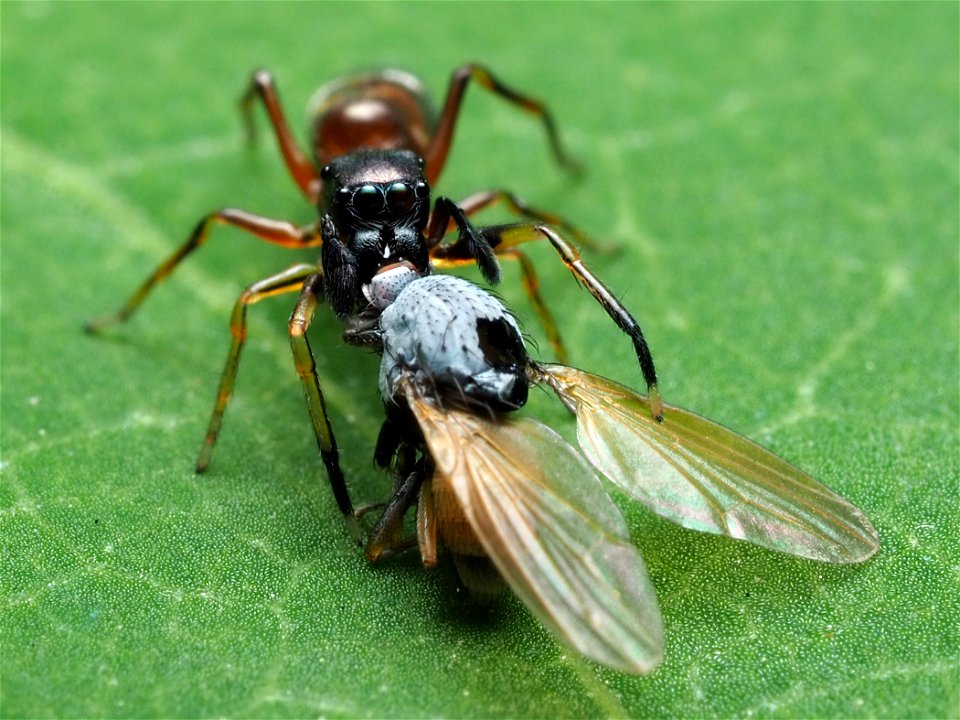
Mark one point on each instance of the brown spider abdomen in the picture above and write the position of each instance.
(388, 110)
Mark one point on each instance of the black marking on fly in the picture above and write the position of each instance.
(500, 343)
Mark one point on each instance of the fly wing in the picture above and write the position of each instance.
(705, 477)
(546, 521)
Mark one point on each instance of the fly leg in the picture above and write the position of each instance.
(384, 541)
(386, 538)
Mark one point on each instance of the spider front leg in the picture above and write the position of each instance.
(505, 238)
(301, 169)
(311, 296)
(278, 232)
(459, 252)
(436, 153)
(615, 309)
(290, 280)
(470, 243)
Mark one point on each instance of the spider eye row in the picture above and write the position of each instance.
(373, 199)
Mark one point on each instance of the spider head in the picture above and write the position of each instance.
(379, 203)
(375, 208)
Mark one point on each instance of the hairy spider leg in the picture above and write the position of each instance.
(470, 240)
(457, 253)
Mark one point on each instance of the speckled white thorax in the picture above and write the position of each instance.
(454, 337)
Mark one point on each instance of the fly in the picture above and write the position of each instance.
(512, 501)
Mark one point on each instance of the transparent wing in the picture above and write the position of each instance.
(705, 477)
(546, 521)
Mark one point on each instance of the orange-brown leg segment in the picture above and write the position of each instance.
(311, 295)
(290, 280)
(531, 286)
(301, 168)
(436, 154)
(277, 232)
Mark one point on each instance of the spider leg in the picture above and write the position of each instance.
(507, 237)
(436, 153)
(277, 232)
(290, 280)
(458, 253)
(301, 169)
(615, 309)
(311, 295)
(470, 243)
(518, 206)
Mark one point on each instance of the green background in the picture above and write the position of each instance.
(780, 183)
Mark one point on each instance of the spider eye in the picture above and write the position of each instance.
(368, 200)
(400, 197)
(422, 190)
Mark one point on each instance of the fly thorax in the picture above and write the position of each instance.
(457, 342)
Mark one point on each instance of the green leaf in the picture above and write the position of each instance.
(780, 184)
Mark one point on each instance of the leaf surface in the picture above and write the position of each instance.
(779, 185)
